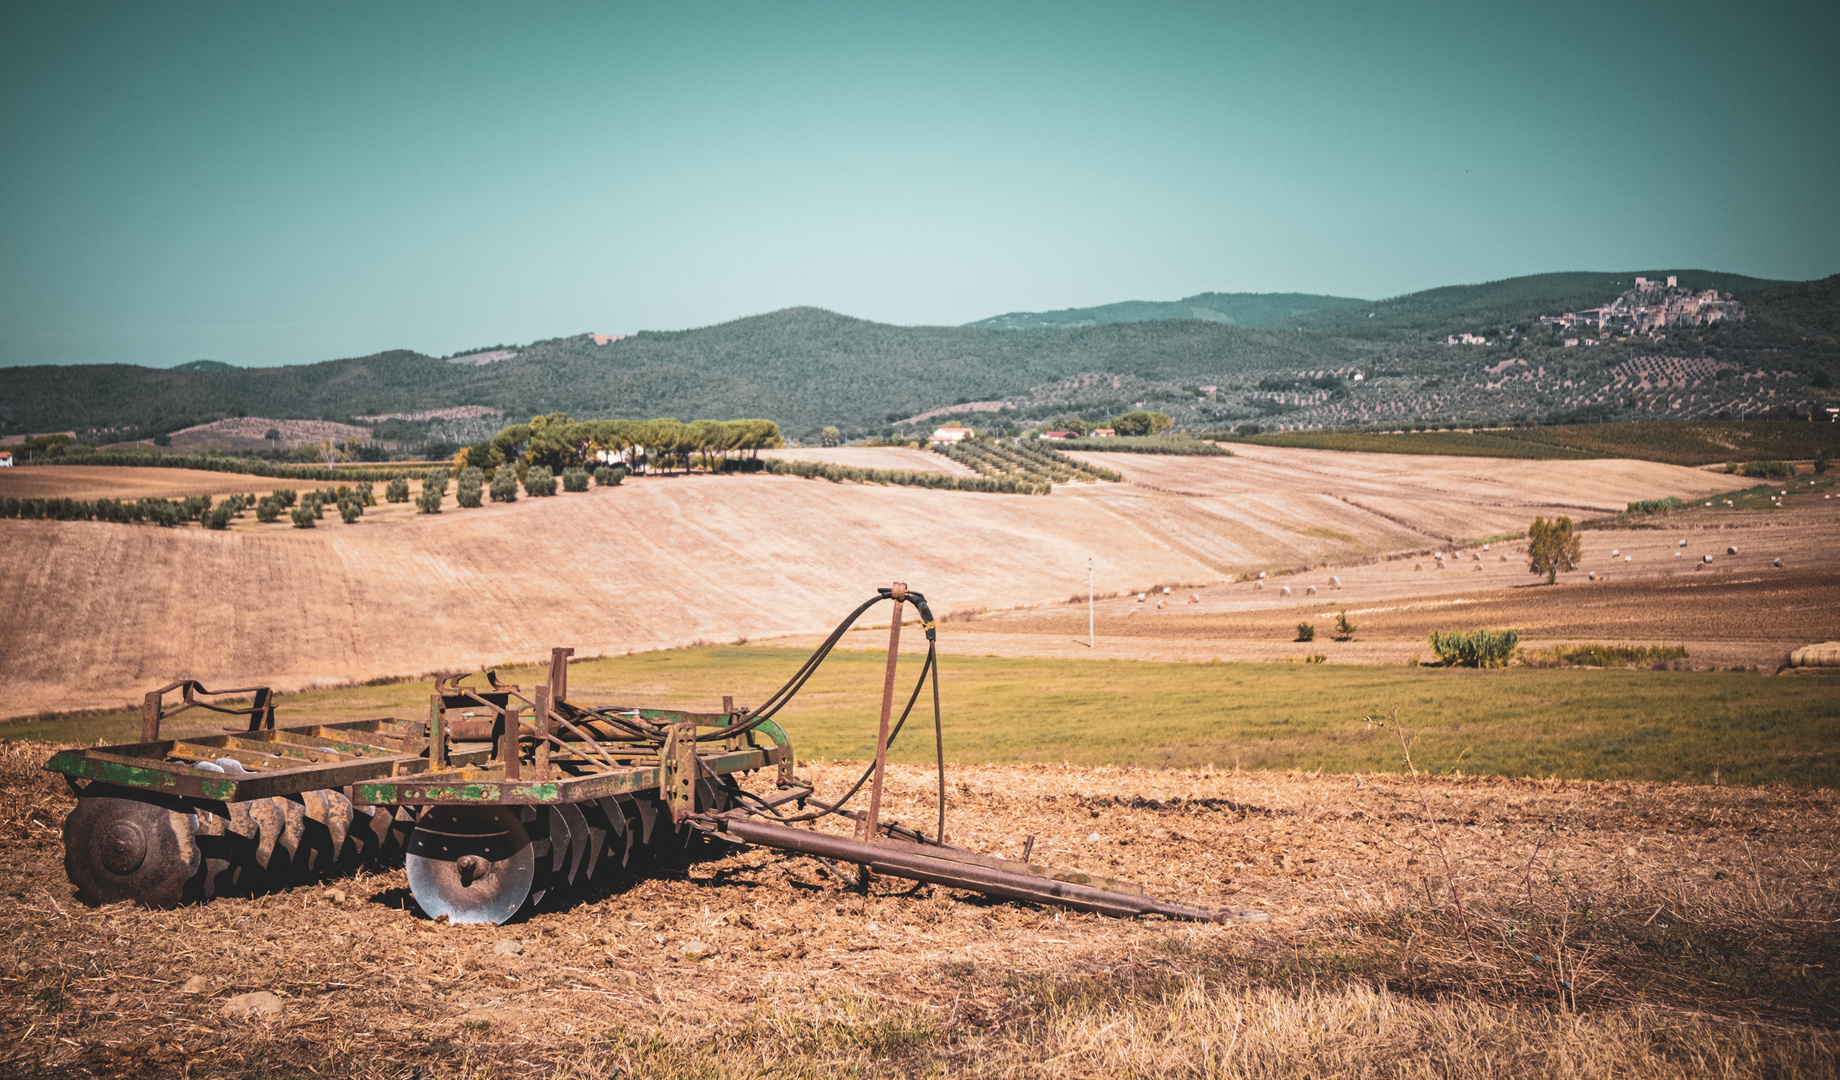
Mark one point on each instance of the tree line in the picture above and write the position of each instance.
(559, 443)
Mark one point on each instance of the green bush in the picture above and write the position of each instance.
(1656, 506)
(1306, 632)
(305, 515)
(1344, 630)
(539, 481)
(219, 518)
(1767, 470)
(285, 498)
(467, 489)
(1141, 422)
(574, 479)
(504, 484)
(267, 510)
(397, 491)
(1605, 656)
(609, 475)
(1479, 649)
(350, 510)
(434, 488)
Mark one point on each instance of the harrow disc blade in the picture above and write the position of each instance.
(473, 864)
(124, 848)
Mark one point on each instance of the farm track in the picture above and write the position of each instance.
(99, 613)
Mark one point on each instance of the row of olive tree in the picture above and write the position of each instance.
(561, 443)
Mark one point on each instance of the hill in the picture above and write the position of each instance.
(1233, 309)
(399, 593)
(1383, 364)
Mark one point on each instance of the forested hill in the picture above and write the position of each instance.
(1234, 309)
(806, 367)
(801, 367)
(1493, 306)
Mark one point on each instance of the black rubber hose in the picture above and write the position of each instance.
(892, 734)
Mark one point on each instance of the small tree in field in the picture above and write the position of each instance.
(1552, 547)
(466, 489)
(505, 484)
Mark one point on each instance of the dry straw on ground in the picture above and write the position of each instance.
(1613, 930)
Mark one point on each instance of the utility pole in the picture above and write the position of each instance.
(1091, 641)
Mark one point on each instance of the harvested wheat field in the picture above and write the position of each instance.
(99, 613)
(1420, 927)
(118, 482)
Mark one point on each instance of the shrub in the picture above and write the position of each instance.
(350, 510)
(434, 488)
(1656, 506)
(1552, 546)
(609, 475)
(305, 515)
(397, 491)
(1605, 655)
(1344, 630)
(574, 479)
(467, 488)
(219, 518)
(539, 481)
(504, 484)
(267, 510)
(1767, 470)
(1306, 632)
(285, 498)
(1479, 649)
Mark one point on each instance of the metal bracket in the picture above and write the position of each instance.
(677, 769)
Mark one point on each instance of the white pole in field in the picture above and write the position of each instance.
(1091, 641)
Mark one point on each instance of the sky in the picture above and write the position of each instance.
(264, 183)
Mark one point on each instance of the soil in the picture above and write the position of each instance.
(1687, 901)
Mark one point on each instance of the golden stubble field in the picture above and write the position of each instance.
(1432, 927)
(98, 613)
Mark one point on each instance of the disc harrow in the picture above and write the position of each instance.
(499, 798)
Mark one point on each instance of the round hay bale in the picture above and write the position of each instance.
(1826, 654)
(1733, 550)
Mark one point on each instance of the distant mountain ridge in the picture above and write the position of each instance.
(1233, 309)
(806, 367)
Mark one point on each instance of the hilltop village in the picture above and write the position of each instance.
(1652, 307)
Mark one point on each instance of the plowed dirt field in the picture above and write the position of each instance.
(1630, 929)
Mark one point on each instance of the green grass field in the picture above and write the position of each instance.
(1579, 724)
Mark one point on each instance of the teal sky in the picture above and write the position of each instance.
(267, 183)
